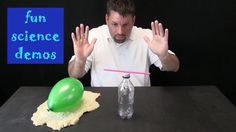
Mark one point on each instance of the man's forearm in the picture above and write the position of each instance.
(76, 68)
(170, 63)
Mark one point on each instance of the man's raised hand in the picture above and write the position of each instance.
(159, 43)
(82, 48)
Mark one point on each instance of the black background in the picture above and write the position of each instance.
(202, 34)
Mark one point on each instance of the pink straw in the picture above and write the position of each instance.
(130, 72)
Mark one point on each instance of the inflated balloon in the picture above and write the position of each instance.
(65, 95)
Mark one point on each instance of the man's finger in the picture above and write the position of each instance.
(94, 41)
(166, 34)
(73, 37)
(86, 32)
(74, 41)
(77, 33)
(161, 30)
(91, 46)
(157, 28)
(82, 31)
(153, 28)
(147, 40)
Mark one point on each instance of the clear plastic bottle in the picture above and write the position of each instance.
(126, 98)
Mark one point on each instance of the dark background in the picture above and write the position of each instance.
(202, 34)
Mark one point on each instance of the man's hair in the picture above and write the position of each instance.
(123, 7)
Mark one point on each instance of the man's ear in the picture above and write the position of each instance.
(106, 18)
(134, 18)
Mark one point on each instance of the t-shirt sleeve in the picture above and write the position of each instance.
(158, 63)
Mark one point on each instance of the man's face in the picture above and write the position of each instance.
(119, 26)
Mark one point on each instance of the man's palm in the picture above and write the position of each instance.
(159, 43)
(82, 48)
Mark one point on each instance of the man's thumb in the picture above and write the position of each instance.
(147, 40)
(94, 41)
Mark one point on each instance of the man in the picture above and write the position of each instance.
(120, 45)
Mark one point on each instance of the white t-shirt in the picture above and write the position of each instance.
(132, 55)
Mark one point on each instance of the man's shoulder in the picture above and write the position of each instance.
(99, 31)
(99, 28)
(139, 31)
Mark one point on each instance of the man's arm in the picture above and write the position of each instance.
(76, 68)
(159, 46)
(82, 49)
(170, 63)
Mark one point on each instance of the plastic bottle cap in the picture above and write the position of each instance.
(126, 75)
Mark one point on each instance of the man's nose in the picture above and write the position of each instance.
(120, 30)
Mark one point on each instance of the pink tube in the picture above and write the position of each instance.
(130, 72)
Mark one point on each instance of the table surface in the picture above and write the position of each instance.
(160, 109)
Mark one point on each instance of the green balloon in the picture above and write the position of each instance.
(65, 95)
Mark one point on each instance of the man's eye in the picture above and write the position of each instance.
(114, 24)
(125, 25)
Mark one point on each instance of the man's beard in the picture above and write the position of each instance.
(119, 38)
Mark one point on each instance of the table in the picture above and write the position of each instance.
(156, 109)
